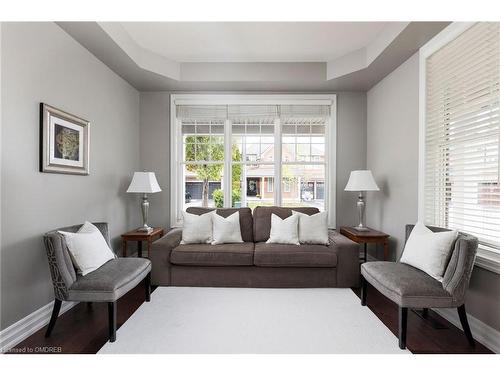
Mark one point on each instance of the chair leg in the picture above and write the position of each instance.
(403, 318)
(363, 291)
(147, 283)
(53, 318)
(112, 321)
(465, 324)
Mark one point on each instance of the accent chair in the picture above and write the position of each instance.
(106, 284)
(412, 288)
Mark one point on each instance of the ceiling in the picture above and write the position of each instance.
(253, 56)
(253, 41)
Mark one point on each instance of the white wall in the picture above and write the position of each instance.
(155, 151)
(392, 155)
(41, 63)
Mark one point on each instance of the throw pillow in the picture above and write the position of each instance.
(313, 229)
(429, 251)
(196, 228)
(284, 231)
(226, 230)
(88, 248)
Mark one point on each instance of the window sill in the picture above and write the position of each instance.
(488, 259)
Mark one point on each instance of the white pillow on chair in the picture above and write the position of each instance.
(429, 251)
(196, 228)
(284, 231)
(313, 229)
(226, 230)
(88, 248)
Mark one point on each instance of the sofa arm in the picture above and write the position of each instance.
(347, 259)
(160, 256)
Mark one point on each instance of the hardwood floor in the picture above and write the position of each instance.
(84, 329)
(422, 337)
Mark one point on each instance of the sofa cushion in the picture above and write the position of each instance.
(246, 221)
(405, 285)
(234, 254)
(279, 255)
(262, 218)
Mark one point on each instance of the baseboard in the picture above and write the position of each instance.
(482, 332)
(17, 332)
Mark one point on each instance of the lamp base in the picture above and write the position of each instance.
(360, 229)
(145, 229)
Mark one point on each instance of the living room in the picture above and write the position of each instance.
(225, 185)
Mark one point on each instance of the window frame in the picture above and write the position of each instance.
(176, 150)
(486, 257)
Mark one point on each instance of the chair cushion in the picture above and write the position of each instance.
(405, 285)
(262, 218)
(280, 255)
(246, 220)
(233, 254)
(110, 281)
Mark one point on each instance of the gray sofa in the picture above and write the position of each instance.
(254, 263)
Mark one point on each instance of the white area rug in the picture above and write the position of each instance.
(235, 320)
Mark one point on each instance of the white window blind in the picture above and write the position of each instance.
(462, 187)
(203, 112)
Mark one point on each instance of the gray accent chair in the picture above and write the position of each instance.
(106, 284)
(411, 288)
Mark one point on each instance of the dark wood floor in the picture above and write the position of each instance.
(84, 329)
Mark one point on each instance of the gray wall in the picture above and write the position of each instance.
(392, 151)
(41, 63)
(155, 152)
(392, 155)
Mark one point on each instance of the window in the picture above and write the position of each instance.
(234, 148)
(270, 184)
(287, 185)
(460, 186)
(203, 160)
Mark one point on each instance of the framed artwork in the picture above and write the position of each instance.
(64, 142)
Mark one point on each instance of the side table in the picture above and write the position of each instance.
(366, 237)
(135, 235)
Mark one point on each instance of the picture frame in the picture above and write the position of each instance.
(64, 142)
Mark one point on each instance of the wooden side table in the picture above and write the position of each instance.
(135, 235)
(370, 236)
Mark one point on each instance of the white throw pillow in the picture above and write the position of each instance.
(285, 231)
(196, 228)
(429, 251)
(88, 248)
(313, 229)
(226, 230)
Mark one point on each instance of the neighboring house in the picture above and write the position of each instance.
(299, 184)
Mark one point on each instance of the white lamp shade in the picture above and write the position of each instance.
(144, 182)
(361, 181)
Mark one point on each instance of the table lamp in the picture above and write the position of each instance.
(361, 181)
(144, 183)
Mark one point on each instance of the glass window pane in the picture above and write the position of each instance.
(288, 152)
(253, 185)
(267, 152)
(303, 152)
(253, 129)
(217, 129)
(203, 129)
(237, 151)
(203, 185)
(303, 186)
